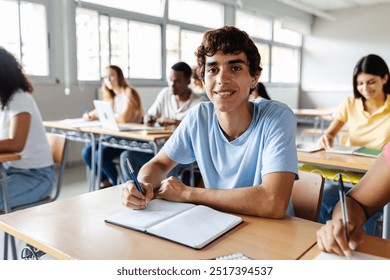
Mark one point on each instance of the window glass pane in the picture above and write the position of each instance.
(285, 65)
(145, 54)
(172, 46)
(119, 44)
(149, 7)
(9, 27)
(264, 53)
(104, 44)
(87, 33)
(212, 14)
(286, 36)
(35, 54)
(190, 40)
(256, 26)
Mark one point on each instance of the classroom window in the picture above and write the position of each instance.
(87, 33)
(181, 46)
(264, 53)
(285, 65)
(203, 13)
(145, 54)
(17, 19)
(148, 7)
(254, 25)
(286, 36)
(103, 40)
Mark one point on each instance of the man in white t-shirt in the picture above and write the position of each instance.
(169, 108)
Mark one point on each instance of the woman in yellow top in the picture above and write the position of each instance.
(127, 107)
(368, 117)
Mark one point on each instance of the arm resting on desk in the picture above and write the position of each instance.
(20, 127)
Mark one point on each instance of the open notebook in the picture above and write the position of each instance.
(354, 150)
(188, 224)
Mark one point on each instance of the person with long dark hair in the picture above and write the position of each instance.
(368, 116)
(127, 106)
(21, 131)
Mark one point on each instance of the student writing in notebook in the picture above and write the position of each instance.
(368, 118)
(21, 131)
(245, 150)
(371, 194)
(128, 108)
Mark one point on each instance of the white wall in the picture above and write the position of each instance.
(333, 48)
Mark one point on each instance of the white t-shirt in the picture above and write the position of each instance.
(36, 152)
(166, 105)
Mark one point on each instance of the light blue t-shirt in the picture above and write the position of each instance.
(268, 145)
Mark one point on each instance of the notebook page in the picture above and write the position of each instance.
(196, 227)
(158, 210)
(355, 256)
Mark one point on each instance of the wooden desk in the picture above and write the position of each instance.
(74, 228)
(372, 245)
(339, 161)
(130, 140)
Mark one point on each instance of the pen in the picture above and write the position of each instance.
(133, 177)
(343, 205)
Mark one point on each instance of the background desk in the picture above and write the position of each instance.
(338, 161)
(74, 228)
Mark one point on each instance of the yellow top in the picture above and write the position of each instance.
(365, 129)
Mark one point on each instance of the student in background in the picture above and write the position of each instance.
(368, 118)
(371, 194)
(259, 92)
(127, 107)
(21, 131)
(169, 108)
(197, 84)
(245, 150)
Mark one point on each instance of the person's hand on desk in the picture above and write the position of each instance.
(326, 141)
(166, 121)
(133, 199)
(173, 189)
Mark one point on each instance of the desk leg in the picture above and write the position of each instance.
(386, 222)
(7, 208)
(92, 177)
(99, 165)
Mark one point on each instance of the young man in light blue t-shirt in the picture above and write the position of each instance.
(245, 150)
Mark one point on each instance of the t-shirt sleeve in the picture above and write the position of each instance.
(280, 154)
(156, 108)
(20, 104)
(341, 113)
(182, 138)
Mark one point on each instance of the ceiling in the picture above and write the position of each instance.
(321, 8)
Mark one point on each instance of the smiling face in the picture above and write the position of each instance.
(370, 86)
(227, 81)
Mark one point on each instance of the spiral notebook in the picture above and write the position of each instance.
(184, 223)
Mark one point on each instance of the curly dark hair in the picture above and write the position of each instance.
(228, 39)
(12, 77)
